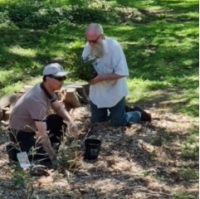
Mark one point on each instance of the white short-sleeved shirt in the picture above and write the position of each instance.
(107, 94)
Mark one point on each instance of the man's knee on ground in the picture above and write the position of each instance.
(118, 121)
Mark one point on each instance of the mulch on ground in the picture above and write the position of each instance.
(142, 161)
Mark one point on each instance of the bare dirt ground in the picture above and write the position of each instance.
(138, 162)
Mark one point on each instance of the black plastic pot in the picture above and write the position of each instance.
(92, 149)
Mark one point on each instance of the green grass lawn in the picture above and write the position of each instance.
(160, 40)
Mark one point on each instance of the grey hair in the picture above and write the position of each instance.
(95, 26)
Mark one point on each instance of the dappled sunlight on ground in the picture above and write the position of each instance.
(140, 161)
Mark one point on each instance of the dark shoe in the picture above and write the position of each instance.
(39, 170)
(146, 117)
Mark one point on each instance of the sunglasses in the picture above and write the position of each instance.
(94, 41)
(60, 79)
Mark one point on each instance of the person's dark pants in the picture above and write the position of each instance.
(27, 141)
(117, 114)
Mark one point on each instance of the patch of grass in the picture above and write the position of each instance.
(141, 90)
(160, 40)
(20, 178)
(161, 139)
(188, 174)
(161, 49)
(190, 145)
(185, 195)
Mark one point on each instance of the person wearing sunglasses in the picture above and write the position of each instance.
(32, 126)
(109, 89)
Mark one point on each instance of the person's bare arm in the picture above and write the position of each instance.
(44, 139)
(108, 77)
(61, 111)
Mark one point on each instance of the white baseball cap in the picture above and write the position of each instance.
(54, 69)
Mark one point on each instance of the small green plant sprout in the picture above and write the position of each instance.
(69, 154)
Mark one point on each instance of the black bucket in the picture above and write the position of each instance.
(92, 148)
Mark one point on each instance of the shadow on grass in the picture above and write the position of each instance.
(171, 100)
(150, 51)
(158, 51)
(172, 4)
